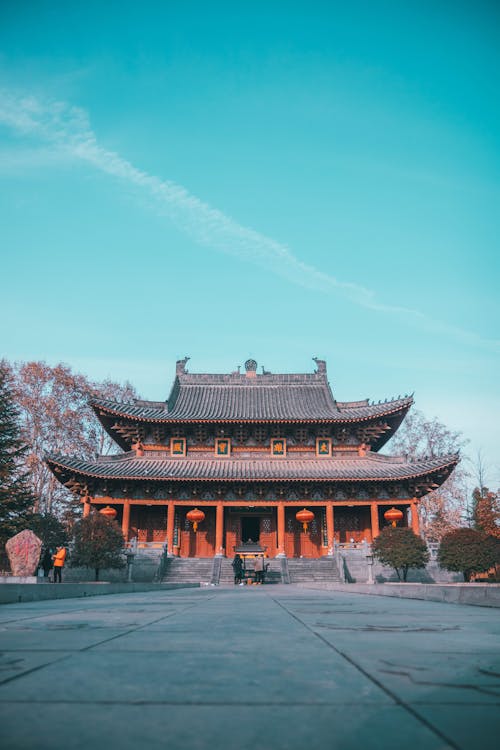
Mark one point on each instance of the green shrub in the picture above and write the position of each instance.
(98, 543)
(401, 549)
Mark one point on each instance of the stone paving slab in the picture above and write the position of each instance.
(268, 668)
(16, 663)
(165, 727)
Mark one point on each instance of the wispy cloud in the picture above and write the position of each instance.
(26, 159)
(66, 129)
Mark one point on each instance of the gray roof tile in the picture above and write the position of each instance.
(265, 398)
(358, 468)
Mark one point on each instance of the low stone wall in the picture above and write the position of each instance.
(34, 592)
(356, 570)
(477, 594)
(144, 569)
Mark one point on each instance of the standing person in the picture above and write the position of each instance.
(59, 559)
(258, 566)
(46, 562)
(238, 569)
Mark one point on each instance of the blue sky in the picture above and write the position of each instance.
(260, 179)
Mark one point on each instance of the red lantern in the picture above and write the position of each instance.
(196, 516)
(393, 515)
(304, 517)
(109, 512)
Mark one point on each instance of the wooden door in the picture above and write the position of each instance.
(148, 523)
(352, 523)
(268, 534)
(200, 543)
(233, 533)
(300, 543)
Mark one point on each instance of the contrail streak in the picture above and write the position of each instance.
(68, 128)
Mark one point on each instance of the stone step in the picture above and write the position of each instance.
(199, 570)
(321, 570)
(188, 570)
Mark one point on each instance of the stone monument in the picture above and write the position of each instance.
(23, 550)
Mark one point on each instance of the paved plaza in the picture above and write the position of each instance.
(251, 668)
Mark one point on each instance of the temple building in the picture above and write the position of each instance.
(235, 457)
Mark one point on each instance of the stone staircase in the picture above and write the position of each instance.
(273, 575)
(145, 565)
(206, 570)
(306, 570)
(188, 570)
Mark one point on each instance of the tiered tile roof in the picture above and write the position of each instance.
(236, 397)
(244, 403)
(352, 469)
(303, 398)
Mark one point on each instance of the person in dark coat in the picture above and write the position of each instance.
(46, 562)
(238, 569)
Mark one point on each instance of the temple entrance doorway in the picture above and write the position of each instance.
(250, 528)
(244, 523)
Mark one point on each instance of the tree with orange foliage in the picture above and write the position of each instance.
(486, 511)
(468, 551)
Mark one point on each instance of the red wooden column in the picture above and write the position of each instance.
(170, 527)
(330, 526)
(281, 530)
(374, 515)
(86, 509)
(414, 516)
(126, 519)
(219, 529)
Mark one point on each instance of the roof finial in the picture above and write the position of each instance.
(251, 368)
(180, 366)
(321, 364)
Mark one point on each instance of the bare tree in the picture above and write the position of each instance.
(112, 391)
(480, 470)
(444, 508)
(56, 418)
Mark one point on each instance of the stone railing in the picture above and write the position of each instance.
(134, 546)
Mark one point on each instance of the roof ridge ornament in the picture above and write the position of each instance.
(251, 368)
(180, 366)
(321, 365)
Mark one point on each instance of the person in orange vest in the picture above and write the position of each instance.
(59, 559)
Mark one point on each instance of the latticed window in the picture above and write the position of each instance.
(347, 522)
(260, 434)
(241, 433)
(201, 434)
(266, 525)
(324, 532)
(301, 434)
(277, 431)
(176, 528)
